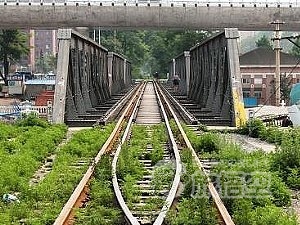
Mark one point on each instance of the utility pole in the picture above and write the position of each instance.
(277, 49)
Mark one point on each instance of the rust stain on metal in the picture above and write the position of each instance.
(80, 193)
(78, 204)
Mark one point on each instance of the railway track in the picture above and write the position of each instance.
(148, 108)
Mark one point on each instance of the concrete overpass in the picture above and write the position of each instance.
(210, 15)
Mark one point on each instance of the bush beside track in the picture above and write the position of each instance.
(251, 188)
(286, 159)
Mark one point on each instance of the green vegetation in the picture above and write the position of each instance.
(286, 159)
(163, 176)
(100, 209)
(208, 145)
(23, 147)
(255, 128)
(130, 169)
(195, 204)
(295, 51)
(264, 42)
(13, 44)
(288, 147)
(41, 204)
(151, 51)
(251, 189)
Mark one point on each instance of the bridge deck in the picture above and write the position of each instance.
(149, 111)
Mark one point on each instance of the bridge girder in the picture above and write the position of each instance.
(210, 77)
(48, 16)
(85, 76)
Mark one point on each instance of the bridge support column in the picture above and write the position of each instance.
(110, 72)
(64, 39)
(232, 35)
(125, 73)
(187, 58)
(173, 67)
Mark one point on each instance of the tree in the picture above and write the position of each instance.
(165, 45)
(150, 51)
(285, 87)
(295, 51)
(13, 44)
(46, 63)
(128, 43)
(264, 42)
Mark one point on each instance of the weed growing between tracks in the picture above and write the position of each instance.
(42, 203)
(130, 169)
(251, 191)
(101, 208)
(194, 205)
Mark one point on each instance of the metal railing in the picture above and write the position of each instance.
(41, 110)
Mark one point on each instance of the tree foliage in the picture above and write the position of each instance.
(13, 44)
(127, 43)
(264, 42)
(46, 63)
(150, 51)
(295, 51)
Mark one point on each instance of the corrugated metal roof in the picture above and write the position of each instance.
(40, 82)
(267, 111)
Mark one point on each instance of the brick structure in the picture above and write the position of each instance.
(258, 74)
(40, 90)
(43, 98)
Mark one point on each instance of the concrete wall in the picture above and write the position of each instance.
(159, 17)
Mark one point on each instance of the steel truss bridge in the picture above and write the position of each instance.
(90, 81)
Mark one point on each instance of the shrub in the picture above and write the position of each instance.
(207, 142)
(253, 128)
(32, 120)
(281, 194)
(286, 159)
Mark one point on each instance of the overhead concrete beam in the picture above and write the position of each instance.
(146, 17)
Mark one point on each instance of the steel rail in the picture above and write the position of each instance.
(184, 113)
(225, 216)
(129, 216)
(172, 194)
(75, 200)
(107, 117)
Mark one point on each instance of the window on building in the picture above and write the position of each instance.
(257, 94)
(258, 80)
(246, 80)
(49, 88)
(246, 94)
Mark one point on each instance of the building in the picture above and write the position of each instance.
(42, 44)
(36, 89)
(258, 75)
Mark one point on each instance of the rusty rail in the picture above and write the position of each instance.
(224, 215)
(79, 193)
